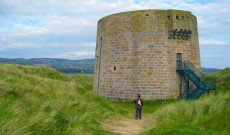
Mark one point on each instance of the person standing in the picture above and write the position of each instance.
(138, 104)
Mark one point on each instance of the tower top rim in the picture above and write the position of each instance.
(148, 10)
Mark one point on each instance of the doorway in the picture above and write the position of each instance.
(178, 56)
(179, 61)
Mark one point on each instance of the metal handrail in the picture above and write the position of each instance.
(210, 82)
(193, 68)
(180, 65)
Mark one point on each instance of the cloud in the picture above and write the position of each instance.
(63, 24)
(75, 54)
(211, 42)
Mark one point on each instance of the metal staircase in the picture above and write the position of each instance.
(196, 82)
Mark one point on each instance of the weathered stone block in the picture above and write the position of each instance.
(134, 54)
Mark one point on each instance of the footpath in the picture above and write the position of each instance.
(130, 126)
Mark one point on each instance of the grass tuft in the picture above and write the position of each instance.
(205, 116)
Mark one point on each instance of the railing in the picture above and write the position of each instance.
(210, 82)
(190, 66)
(180, 65)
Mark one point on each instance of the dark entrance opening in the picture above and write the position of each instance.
(178, 56)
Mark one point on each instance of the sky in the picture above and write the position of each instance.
(67, 28)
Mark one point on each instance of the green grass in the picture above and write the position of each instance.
(39, 100)
(223, 79)
(206, 116)
(128, 108)
(43, 101)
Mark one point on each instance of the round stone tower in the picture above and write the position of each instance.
(136, 52)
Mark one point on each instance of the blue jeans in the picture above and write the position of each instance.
(138, 113)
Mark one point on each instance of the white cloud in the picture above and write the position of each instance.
(32, 24)
(75, 54)
(213, 42)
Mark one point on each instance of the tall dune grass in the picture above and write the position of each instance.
(43, 101)
(40, 100)
(223, 80)
(209, 115)
(206, 116)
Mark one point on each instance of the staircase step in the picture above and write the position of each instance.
(192, 73)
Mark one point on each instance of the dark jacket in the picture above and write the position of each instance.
(136, 103)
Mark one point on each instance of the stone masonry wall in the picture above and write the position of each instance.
(135, 55)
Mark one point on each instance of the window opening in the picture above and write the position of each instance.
(169, 17)
(114, 68)
(177, 17)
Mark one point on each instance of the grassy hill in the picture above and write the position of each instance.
(223, 79)
(209, 115)
(205, 116)
(40, 100)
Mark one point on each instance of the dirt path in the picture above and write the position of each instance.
(130, 126)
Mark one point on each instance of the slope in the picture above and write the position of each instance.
(42, 101)
(208, 115)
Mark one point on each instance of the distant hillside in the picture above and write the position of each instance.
(210, 70)
(62, 65)
(68, 66)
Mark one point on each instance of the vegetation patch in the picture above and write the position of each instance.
(40, 100)
(209, 115)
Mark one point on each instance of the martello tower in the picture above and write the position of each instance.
(137, 52)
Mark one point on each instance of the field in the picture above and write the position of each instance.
(40, 100)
